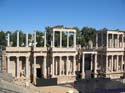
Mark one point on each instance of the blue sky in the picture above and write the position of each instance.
(30, 15)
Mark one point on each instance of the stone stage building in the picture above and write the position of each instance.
(31, 62)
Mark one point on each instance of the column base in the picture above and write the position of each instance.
(83, 75)
(34, 80)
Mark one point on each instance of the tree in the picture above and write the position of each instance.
(2, 39)
(39, 38)
(87, 34)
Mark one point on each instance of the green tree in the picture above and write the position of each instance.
(2, 39)
(39, 38)
(88, 34)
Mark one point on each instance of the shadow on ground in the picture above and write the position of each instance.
(99, 85)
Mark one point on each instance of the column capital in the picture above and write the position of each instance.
(27, 56)
(17, 56)
(45, 56)
(8, 56)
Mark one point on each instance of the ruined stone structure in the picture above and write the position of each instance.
(106, 58)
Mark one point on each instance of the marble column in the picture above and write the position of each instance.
(18, 67)
(34, 39)
(18, 39)
(123, 41)
(96, 40)
(74, 65)
(60, 66)
(53, 63)
(8, 64)
(44, 68)
(107, 40)
(26, 39)
(74, 39)
(106, 69)
(60, 39)
(112, 40)
(27, 67)
(56, 64)
(102, 39)
(83, 72)
(67, 65)
(95, 70)
(67, 39)
(122, 63)
(45, 39)
(91, 61)
(118, 41)
(112, 64)
(53, 38)
(8, 39)
(34, 71)
(117, 63)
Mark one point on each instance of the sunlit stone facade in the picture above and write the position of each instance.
(105, 58)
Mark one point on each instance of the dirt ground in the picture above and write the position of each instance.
(58, 89)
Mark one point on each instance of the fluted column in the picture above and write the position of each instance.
(83, 72)
(27, 67)
(17, 39)
(45, 39)
(96, 40)
(74, 39)
(112, 40)
(53, 38)
(60, 66)
(95, 70)
(67, 65)
(74, 65)
(117, 63)
(123, 41)
(102, 39)
(91, 61)
(112, 64)
(34, 39)
(56, 64)
(18, 67)
(60, 39)
(107, 40)
(106, 64)
(26, 39)
(118, 41)
(8, 64)
(44, 68)
(34, 70)
(53, 63)
(67, 39)
(8, 39)
(122, 63)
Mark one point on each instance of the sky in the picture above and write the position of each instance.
(30, 15)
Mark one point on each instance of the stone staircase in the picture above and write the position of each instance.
(65, 79)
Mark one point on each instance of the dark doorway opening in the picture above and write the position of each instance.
(39, 75)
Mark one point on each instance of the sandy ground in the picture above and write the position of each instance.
(57, 89)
